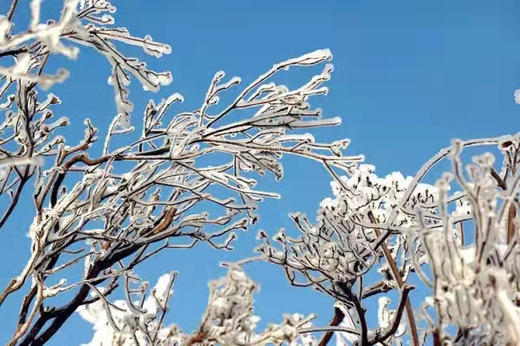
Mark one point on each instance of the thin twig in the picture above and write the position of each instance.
(400, 283)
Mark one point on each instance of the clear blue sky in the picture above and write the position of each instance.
(409, 76)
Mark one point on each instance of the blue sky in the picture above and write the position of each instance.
(409, 76)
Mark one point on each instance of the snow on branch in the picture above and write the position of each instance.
(190, 177)
(377, 234)
(102, 215)
(86, 23)
(228, 320)
(27, 133)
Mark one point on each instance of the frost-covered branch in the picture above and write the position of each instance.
(92, 216)
(377, 233)
(229, 318)
(101, 209)
(27, 134)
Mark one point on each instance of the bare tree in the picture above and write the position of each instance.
(378, 234)
(228, 320)
(97, 216)
(101, 209)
